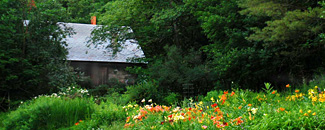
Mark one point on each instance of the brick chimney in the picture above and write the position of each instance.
(93, 20)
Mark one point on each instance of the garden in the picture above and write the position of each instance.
(74, 108)
(209, 64)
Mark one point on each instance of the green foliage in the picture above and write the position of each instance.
(112, 86)
(154, 24)
(48, 113)
(172, 98)
(268, 89)
(289, 32)
(179, 68)
(103, 117)
(32, 55)
(145, 90)
(80, 11)
(85, 82)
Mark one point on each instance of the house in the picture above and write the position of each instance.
(99, 63)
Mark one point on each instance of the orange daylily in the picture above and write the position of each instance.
(232, 93)
(281, 109)
(288, 85)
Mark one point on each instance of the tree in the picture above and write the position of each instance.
(80, 11)
(291, 35)
(30, 52)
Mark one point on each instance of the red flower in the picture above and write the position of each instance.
(170, 116)
(214, 105)
(225, 92)
(217, 109)
(76, 123)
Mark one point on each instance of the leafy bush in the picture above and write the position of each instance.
(172, 98)
(318, 80)
(145, 90)
(113, 85)
(85, 82)
(105, 114)
(49, 113)
(181, 67)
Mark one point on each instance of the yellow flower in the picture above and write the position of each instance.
(212, 99)
(309, 111)
(316, 87)
(314, 99)
(300, 110)
(305, 114)
(314, 114)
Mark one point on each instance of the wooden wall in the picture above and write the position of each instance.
(101, 72)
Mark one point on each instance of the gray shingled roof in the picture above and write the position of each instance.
(78, 50)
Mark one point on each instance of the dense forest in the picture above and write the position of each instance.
(210, 44)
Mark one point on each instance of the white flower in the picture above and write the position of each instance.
(150, 100)
(254, 110)
(143, 100)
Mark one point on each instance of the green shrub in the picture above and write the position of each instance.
(145, 90)
(85, 82)
(49, 113)
(317, 81)
(172, 98)
(112, 86)
(105, 114)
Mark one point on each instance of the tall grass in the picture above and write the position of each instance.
(49, 113)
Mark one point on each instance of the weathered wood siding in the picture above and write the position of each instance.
(101, 72)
